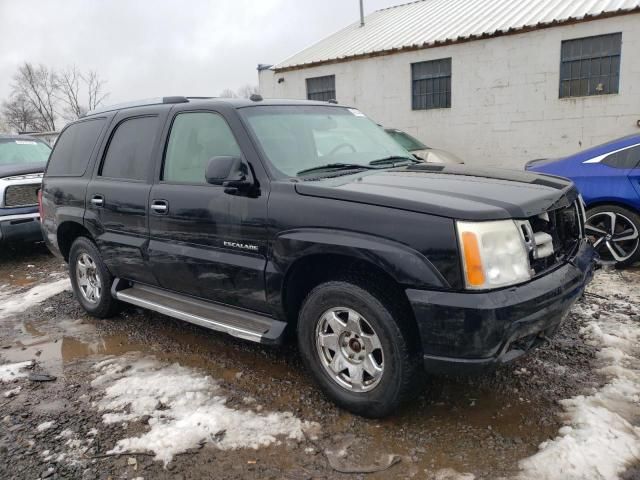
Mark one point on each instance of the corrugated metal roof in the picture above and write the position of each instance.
(428, 22)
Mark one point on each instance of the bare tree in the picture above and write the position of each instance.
(37, 85)
(95, 89)
(73, 88)
(68, 91)
(18, 114)
(228, 93)
(248, 90)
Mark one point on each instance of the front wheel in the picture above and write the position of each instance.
(90, 279)
(353, 344)
(615, 233)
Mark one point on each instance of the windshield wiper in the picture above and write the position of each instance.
(394, 160)
(335, 166)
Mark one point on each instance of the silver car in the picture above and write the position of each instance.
(420, 150)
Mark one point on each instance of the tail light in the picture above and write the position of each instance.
(40, 203)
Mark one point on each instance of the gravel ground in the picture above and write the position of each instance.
(481, 425)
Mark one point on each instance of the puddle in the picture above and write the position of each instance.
(24, 265)
(52, 351)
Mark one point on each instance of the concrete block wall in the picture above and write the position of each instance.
(505, 106)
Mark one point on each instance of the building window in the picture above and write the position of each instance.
(590, 66)
(321, 88)
(431, 84)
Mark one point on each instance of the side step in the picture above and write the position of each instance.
(239, 323)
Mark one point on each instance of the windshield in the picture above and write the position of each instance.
(301, 139)
(23, 151)
(406, 140)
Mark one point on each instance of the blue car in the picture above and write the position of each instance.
(608, 177)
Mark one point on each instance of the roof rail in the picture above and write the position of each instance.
(139, 103)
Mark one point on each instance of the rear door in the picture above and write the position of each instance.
(204, 241)
(118, 195)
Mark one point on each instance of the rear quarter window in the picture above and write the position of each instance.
(624, 159)
(73, 149)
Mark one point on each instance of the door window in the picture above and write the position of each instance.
(195, 138)
(129, 153)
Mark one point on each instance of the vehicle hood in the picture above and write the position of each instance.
(21, 169)
(453, 191)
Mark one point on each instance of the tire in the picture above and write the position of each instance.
(85, 257)
(610, 244)
(373, 396)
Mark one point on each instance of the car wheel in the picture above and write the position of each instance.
(615, 234)
(352, 343)
(91, 280)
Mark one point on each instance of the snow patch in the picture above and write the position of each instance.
(12, 393)
(451, 474)
(11, 302)
(75, 448)
(45, 426)
(599, 439)
(11, 371)
(185, 409)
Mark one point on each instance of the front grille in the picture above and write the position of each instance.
(21, 195)
(565, 227)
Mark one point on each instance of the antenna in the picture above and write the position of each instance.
(362, 13)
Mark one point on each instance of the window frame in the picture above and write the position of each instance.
(323, 92)
(160, 174)
(589, 78)
(448, 76)
(105, 150)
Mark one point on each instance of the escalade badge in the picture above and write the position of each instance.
(243, 246)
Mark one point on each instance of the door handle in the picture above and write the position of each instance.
(97, 200)
(160, 207)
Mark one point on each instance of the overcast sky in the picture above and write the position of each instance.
(149, 48)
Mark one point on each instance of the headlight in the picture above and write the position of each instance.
(493, 254)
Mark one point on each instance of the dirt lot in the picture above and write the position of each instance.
(142, 395)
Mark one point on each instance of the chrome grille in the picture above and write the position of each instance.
(21, 195)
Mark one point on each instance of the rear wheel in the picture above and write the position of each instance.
(615, 234)
(91, 280)
(353, 344)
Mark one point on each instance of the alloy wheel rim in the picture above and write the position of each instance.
(615, 236)
(349, 349)
(89, 282)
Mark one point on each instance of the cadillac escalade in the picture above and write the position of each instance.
(272, 219)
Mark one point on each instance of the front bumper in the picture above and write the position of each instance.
(465, 331)
(21, 224)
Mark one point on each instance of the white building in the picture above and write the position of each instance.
(494, 81)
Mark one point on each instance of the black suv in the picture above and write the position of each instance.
(257, 218)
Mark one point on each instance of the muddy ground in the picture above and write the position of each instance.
(479, 425)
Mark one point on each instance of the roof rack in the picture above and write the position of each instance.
(139, 103)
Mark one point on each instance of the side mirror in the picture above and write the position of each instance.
(230, 172)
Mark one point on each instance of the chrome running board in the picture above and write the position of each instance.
(238, 323)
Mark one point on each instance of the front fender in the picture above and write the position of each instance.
(405, 265)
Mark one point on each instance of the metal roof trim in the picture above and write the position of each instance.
(285, 66)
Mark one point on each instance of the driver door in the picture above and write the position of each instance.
(205, 242)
